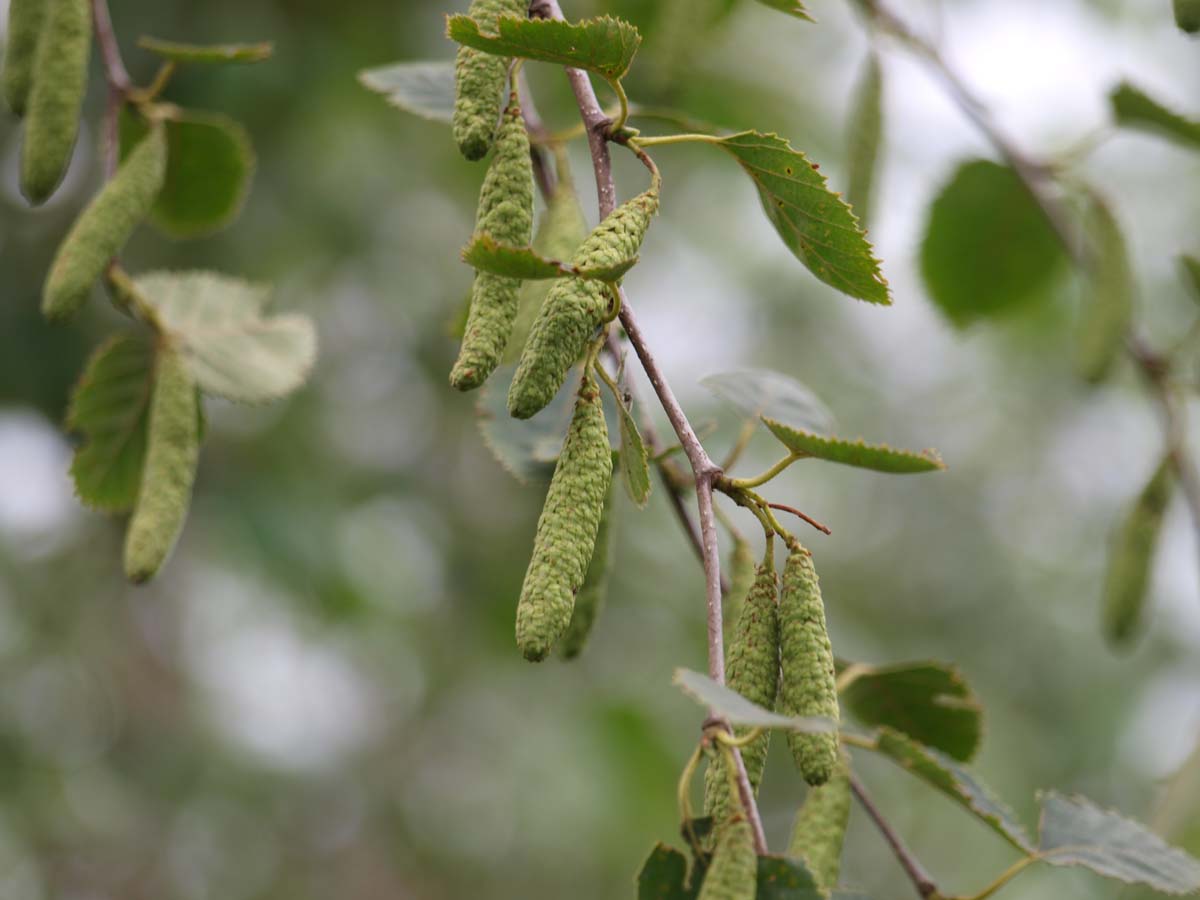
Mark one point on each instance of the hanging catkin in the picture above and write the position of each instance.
(820, 828)
(566, 531)
(479, 80)
(590, 599)
(808, 686)
(172, 450)
(741, 578)
(752, 669)
(733, 872)
(506, 215)
(105, 225)
(575, 307)
(55, 96)
(25, 20)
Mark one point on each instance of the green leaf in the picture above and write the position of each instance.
(814, 222)
(928, 701)
(425, 89)
(1076, 832)
(878, 457)
(210, 162)
(791, 7)
(207, 53)
(664, 876)
(987, 248)
(953, 780)
(1187, 15)
(782, 878)
(527, 448)
(1107, 308)
(635, 461)
(1191, 274)
(109, 408)
(865, 136)
(1134, 108)
(605, 45)
(763, 392)
(233, 351)
(486, 254)
(738, 710)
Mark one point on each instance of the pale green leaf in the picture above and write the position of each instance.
(425, 89)
(206, 53)
(527, 448)
(1107, 305)
(109, 408)
(1076, 832)
(635, 461)
(763, 392)
(864, 138)
(232, 349)
(604, 45)
(1134, 108)
(877, 457)
(791, 7)
(815, 223)
(737, 710)
(487, 255)
(987, 249)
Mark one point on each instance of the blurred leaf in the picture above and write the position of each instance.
(791, 7)
(209, 167)
(780, 878)
(814, 222)
(1132, 555)
(1133, 108)
(232, 350)
(664, 876)
(1187, 15)
(206, 53)
(1191, 271)
(425, 89)
(485, 254)
(763, 392)
(878, 457)
(605, 45)
(928, 701)
(865, 136)
(527, 448)
(737, 709)
(109, 408)
(1107, 305)
(955, 781)
(635, 462)
(987, 248)
(1076, 832)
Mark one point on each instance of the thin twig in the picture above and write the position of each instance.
(704, 469)
(912, 867)
(119, 83)
(807, 518)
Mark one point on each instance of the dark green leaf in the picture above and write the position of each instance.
(1107, 304)
(763, 392)
(865, 135)
(814, 222)
(664, 876)
(605, 45)
(1187, 15)
(878, 457)
(109, 408)
(955, 781)
(425, 89)
(212, 53)
(928, 701)
(737, 709)
(1134, 108)
(782, 878)
(527, 448)
(791, 7)
(1076, 832)
(485, 254)
(1191, 273)
(987, 248)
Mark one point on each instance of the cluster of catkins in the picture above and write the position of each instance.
(564, 583)
(44, 79)
(780, 658)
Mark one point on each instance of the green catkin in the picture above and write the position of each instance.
(590, 599)
(820, 829)
(566, 531)
(1187, 15)
(104, 226)
(506, 215)
(741, 578)
(575, 307)
(25, 18)
(479, 80)
(1131, 556)
(172, 450)
(752, 669)
(733, 872)
(808, 685)
(55, 96)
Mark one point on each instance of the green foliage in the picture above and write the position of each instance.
(739, 711)
(791, 7)
(1107, 307)
(978, 266)
(425, 89)
(479, 82)
(487, 255)
(1191, 272)
(605, 45)
(813, 221)
(526, 448)
(761, 392)
(206, 54)
(1187, 15)
(663, 876)
(1134, 108)
(928, 701)
(634, 460)
(865, 136)
(25, 19)
(109, 408)
(820, 828)
(878, 457)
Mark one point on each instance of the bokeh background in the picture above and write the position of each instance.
(320, 697)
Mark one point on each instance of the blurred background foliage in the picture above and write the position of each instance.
(320, 696)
